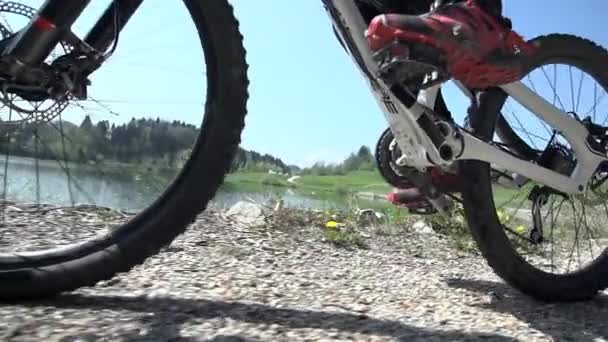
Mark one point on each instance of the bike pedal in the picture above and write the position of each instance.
(418, 203)
(404, 63)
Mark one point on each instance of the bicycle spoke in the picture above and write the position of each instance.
(36, 162)
(67, 170)
(556, 96)
(587, 229)
(5, 176)
(594, 108)
(580, 87)
(576, 231)
(545, 126)
(106, 107)
(594, 101)
(511, 199)
(571, 88)
(522, 129)
(553, 222)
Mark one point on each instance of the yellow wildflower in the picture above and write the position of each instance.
(331, 224)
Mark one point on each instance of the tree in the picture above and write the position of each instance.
(87, 124)
(364, 152)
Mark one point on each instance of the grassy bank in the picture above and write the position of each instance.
(342, 188)
(256, 180)
(355, 181)
(350, 183)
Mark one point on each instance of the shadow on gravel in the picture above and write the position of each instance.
(171, 312)
(582, 321)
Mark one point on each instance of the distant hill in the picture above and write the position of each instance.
(248, 160)
(294, 168)
(363, 159)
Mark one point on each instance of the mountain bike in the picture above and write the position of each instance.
(569, 168)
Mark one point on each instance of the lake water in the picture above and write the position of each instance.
(54, 186)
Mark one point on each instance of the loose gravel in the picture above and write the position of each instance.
(224, 282)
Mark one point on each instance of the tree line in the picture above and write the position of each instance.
(253, 161)
(134, 141)
(363, 159)
(156, 141)
(137, 141)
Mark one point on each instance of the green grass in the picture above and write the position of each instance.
(340, 190)
(343, 185)
(345, 238)
(505, 196)
(252, 180)
(350, 183)
(368, 181)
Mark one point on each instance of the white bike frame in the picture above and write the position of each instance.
(415, 142)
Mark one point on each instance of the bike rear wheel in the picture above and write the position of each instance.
(48, 272)
(524, 268)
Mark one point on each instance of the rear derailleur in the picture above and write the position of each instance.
(556, 157)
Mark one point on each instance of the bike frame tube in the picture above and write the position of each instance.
(56, 17)
(351, 27)
(102, 34)
(573, 131)
(35, 42)
(417, 146)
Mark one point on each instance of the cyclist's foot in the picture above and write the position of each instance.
(417, 202)
(473, 46)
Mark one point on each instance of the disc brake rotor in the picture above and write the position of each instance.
(36, 111)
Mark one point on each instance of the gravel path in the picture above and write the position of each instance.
(222, 282)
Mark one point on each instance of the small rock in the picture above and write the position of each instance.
(173, 249)
(369, 216)
(110, 282)
(365, 301)
(360, 308)
(422, 227)
(157, 293)
(248, 214)
(280, 204)
(229, 338)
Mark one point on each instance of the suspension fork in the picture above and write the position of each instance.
(54, 20)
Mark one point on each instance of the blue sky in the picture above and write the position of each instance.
(308, 101)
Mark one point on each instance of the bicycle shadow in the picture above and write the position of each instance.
(581, 321)
(170, 313)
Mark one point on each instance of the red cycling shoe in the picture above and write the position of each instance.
(475, 47)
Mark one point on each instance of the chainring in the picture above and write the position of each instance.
(387, 153)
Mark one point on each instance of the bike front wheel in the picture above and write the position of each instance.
(36, 271)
